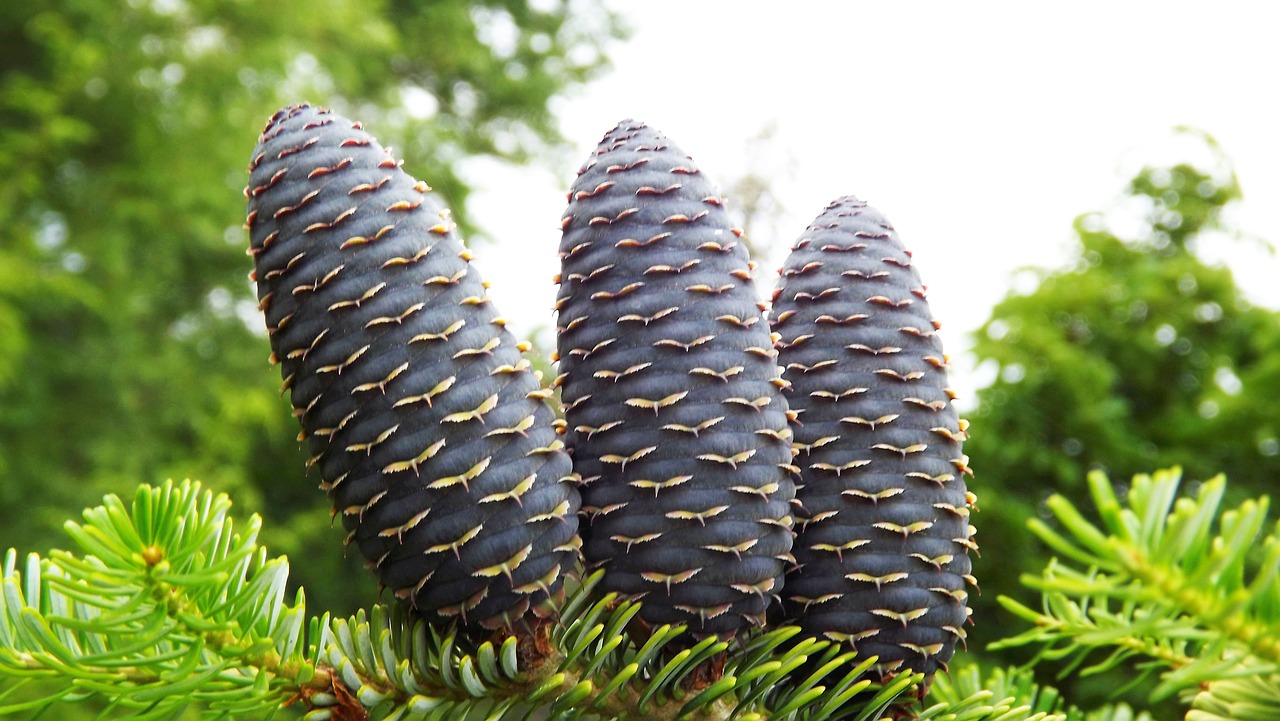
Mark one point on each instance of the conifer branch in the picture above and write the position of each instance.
(1177, 585)
(169, 603)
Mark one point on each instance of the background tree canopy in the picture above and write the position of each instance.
(1136, 355)
(130, 347)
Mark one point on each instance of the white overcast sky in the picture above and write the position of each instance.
(980, 129)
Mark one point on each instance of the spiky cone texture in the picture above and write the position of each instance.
(675, 419)
(883, 530)
(430, 431)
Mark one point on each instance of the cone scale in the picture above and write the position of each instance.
(675, 418)
(429, 429)
(883, 530)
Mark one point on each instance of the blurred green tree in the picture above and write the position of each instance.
(1136, 355)
(130, 346)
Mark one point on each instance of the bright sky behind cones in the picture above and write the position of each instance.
(980, 129)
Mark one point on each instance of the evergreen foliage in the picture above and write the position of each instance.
(1178, 587)
(169, 603)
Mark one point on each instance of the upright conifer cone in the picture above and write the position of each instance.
(883, 533)
(676, 423)
(428, 427)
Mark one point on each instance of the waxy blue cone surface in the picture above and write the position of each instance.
(428, 427)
